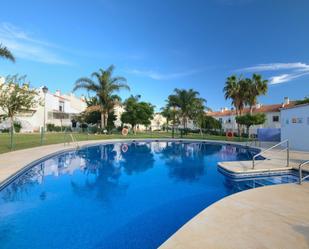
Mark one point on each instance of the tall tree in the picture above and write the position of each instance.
(168, 114)
(249, 120)
(256, 86)
(199, 114)
(171, 112)
(236, 89)
(16, 96)
(187, 102)
(6, 53)
(104, 86)
(137, 112)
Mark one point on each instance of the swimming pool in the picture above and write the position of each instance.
(121, 195)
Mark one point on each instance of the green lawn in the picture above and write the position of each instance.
(23, 141)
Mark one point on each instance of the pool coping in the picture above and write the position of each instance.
(265, 217)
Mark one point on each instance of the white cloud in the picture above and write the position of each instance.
(162, 76)
(276, 67)
(285, 77)
(23, 45)
(292, 71)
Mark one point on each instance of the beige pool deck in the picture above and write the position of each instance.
(266, 217)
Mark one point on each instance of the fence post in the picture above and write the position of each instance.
(288, 154)
(42, 135)
(11, 137)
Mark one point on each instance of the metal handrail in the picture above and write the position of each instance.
(73, 139)
(300, 169)
(276, 145)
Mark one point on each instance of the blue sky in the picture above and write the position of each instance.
(161, 45)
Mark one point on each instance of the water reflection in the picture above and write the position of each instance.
(138, 158)
(102, 173)
(96, 171)
(186, 161)
(19, 188)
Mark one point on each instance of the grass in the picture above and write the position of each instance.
(23, 141)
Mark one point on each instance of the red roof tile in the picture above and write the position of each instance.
(262, 109)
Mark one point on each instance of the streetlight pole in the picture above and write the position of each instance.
(45, 90)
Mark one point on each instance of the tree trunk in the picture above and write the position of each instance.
(12, 124)
(102, 120)
(105, 120)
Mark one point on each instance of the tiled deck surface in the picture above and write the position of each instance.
(275, 161)
(267, 217)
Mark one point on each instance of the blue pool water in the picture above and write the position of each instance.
(117, 195)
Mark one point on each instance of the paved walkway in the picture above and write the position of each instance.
(276, 160)
(262, 218)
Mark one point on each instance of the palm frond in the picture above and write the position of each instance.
(6, 53)
(85, 83)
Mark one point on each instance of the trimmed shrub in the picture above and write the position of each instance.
(17, 127)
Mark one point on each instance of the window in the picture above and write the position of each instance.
(61, 106)
(275, 118)
(220, 120)
(229, 121)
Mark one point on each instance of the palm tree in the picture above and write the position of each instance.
(236, 89)
(6, 53)
(186, 101)
(104, 86)
(256, 87)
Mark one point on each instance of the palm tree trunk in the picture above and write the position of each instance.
(102, 120)
(12, 124)
(105, 120)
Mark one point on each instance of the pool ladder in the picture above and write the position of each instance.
(287, 148)
(73, 140)
(300, 170)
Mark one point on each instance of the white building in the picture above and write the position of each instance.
(228, 117)
(295, 126)
(59, 110)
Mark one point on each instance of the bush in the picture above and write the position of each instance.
(17, 127)
(54, 128)
(50, 127)
(93, 129)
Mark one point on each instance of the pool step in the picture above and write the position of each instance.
(266, 182)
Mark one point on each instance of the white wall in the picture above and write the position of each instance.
(295, 127)
(229, 122)
(34, 120)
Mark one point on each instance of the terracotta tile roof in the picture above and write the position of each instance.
(262, 109)
(60, 97)
(93, 108)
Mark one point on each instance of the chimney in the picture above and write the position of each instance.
(58, 93)
(286, 101)
(258, 105)
(2, 80)
(221, 109)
